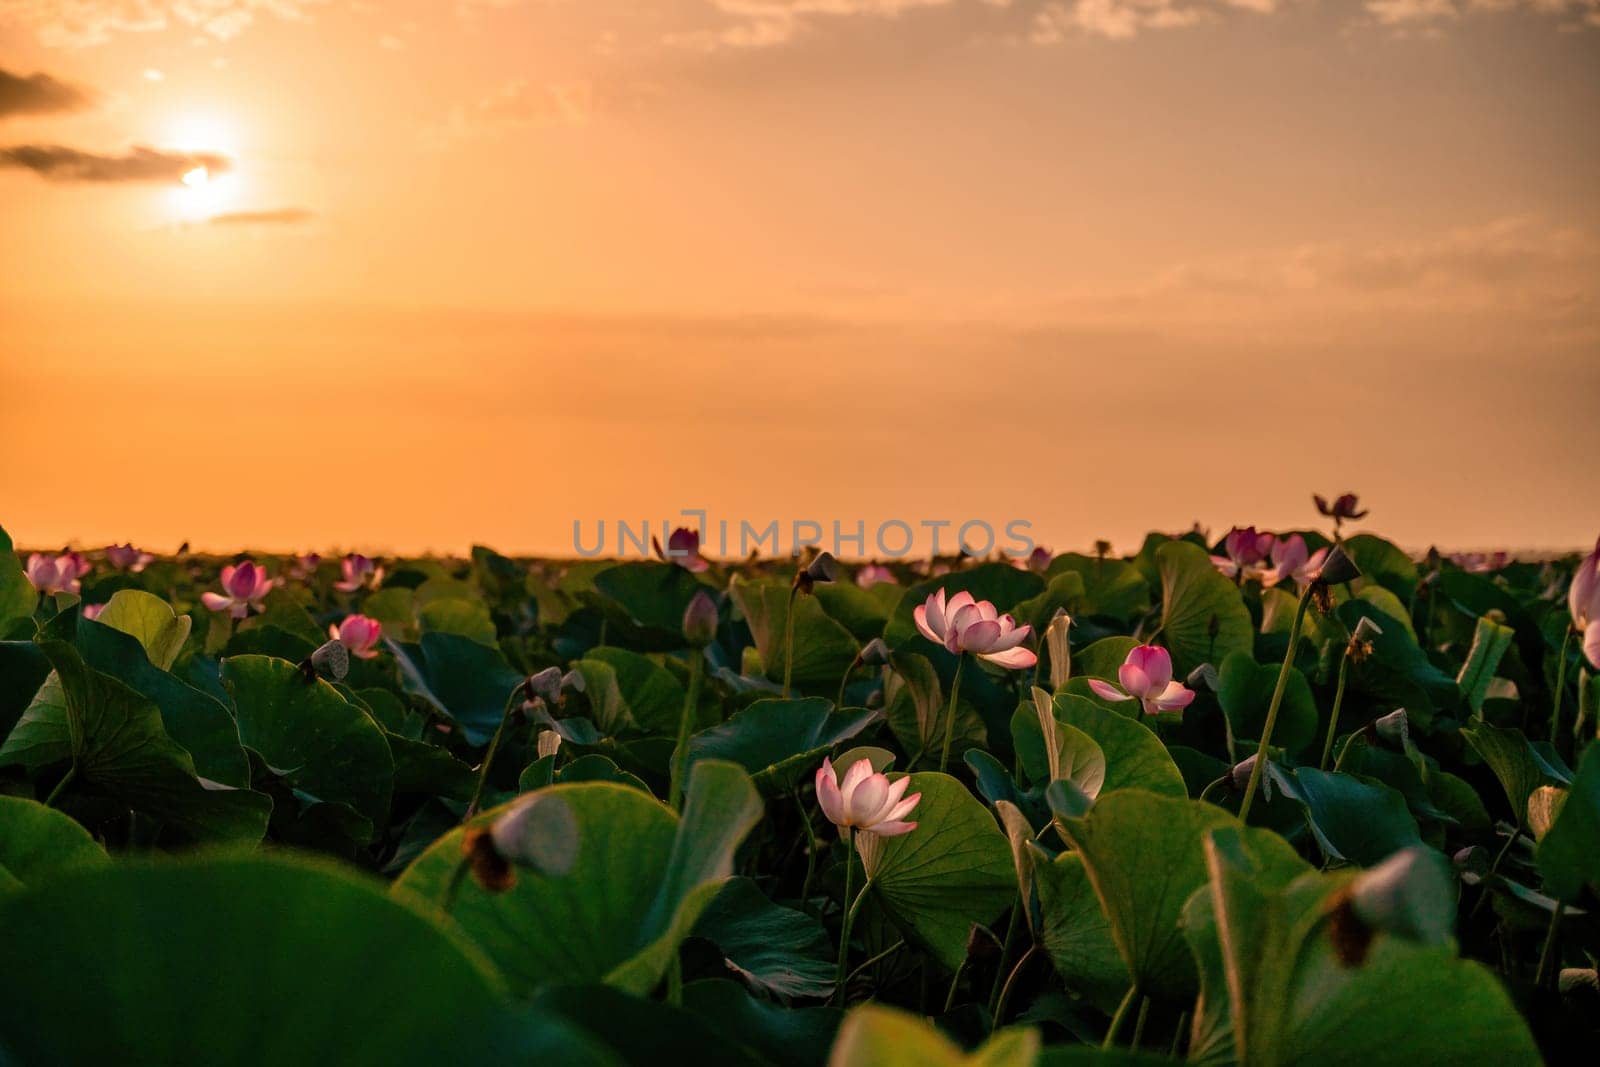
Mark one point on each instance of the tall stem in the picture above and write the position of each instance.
(1546, 954)
(811, 852)
(1272, 709)
(488, 757)
(691, 704)
(839, 700)
(1338, 701)
(849, 914)
(788, 641)
(1011, 981)
(950, 719)
(1561, 685)
(72, 772)
(1005, 953)
(1138, 1024)
(1116, 1020)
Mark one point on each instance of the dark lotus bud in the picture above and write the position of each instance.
(1203, 675)
(545, 686)
(1338, 568)
(1395, 727)
(492, 871)
(700, 620)
(1409, 895)
(824, 568)
(1102, 549)
(332, 661)
(875, 653)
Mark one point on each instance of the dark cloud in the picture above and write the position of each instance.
(38, 94)
(275, 216)
(139, 164)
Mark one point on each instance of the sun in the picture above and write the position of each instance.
(194, 179)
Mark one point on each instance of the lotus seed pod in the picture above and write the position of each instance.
(545, 686)
(332, 660)
(1394, 727)
(1411, 895)
(1339, 568)
(823, 569)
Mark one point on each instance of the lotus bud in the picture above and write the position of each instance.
(1203, 675)
(1395, 728)
(1240, 775)
(700, 620)
(332, 661)
(547, 743)
(1403, 896)
(545, 686)
(1060, 646)
(1102, 549)
(875, 653)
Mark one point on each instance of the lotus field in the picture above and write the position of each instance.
(1294, 797)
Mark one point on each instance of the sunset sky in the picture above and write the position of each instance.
(286, 274)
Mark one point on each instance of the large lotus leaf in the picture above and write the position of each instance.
(115, 739)
(1001, 584)
(1112, 588)
(620, 883)
(1074, 929)
(782, 1036)
(916, 709)
(467, 618)
(1354, 821)
(1399, 672)
(151, 621)
(647, 599)
(864, 612)
(1134, 756)
(464, 680)
(1204, 619)
(37, 842)
(1063, 592)
(428, 769)
(239, 960)
(775, 950)
(780, 741)
(17, 595)
(631, 691)
(326, 748)
(197, 721)
(1383, 562)
(1490, 642)
(23, 669)
(953, 870)
(876, 1036)
(824, 649)
(1569, 852)
(1244, 689)
(1144, 855)
(1513, 761)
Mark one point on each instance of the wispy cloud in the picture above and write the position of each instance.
(283, 216)
(38, 93)
(140, 163)
(522, 104)
(79, 23)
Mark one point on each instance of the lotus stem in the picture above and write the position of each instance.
(680, 751)
(950, 719)
(788, 641)
(842, 975)
(1177, 1036)
(1272, 709)
(1561, 685)
(1547, 953)
(811, 853)
(72, 772)
(1011, 982)
(1338, 701)
(488, 757)
(839, 700)
(879, 958)
(1116, 1020)
(955, 983)
(1494, 868)
(1005, 952)
(1138, 1023)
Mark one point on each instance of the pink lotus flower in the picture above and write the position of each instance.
(1038, 560)
(865, 801)
(56, 574)
(92, 611)
(127, 558)
(1146, 676)
(304, 566)
(1583, 600)
(243, 588)
(1290, 559)
(357, 572)
(874, 574)
(1345, 506)
(963, 624)
(1244, 552)
(359, 634)
(1480, 562)
(683, 548)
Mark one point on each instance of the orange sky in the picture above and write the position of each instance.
(477, 270)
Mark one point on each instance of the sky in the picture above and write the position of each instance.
(408, 276)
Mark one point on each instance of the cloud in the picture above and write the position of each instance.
(79, 23)
(38, 94)
(1403, 12)
(139, 164)
(521, 104)
(283, 216)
